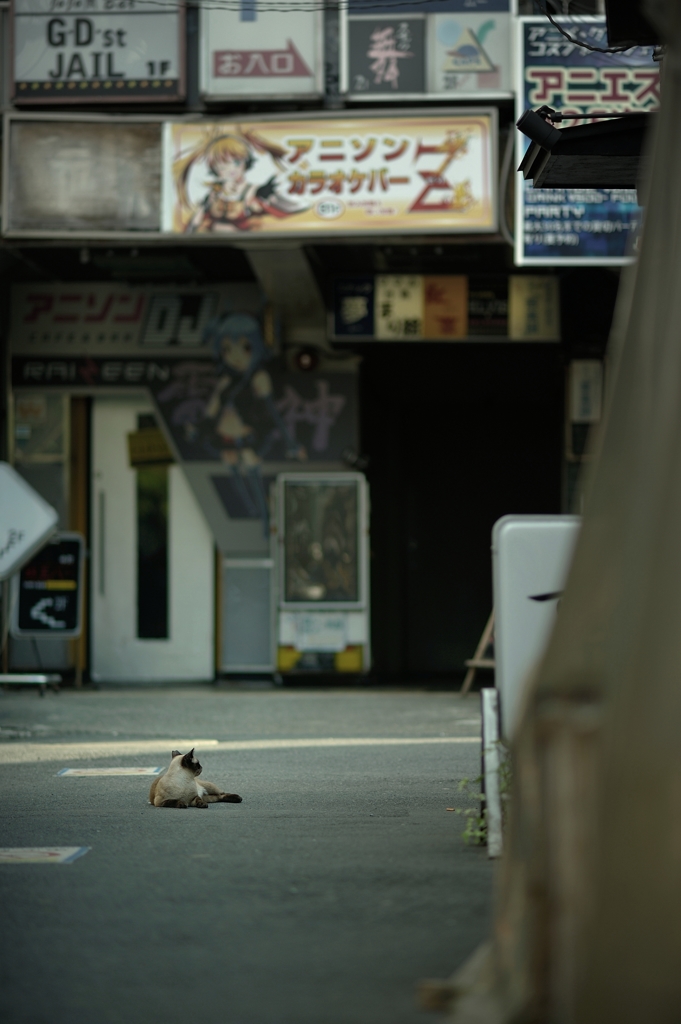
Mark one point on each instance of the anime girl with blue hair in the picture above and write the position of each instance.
(240, 350)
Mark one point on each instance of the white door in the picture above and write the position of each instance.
(140, 630)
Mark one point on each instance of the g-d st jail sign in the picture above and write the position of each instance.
(79, 51)
(47, 591)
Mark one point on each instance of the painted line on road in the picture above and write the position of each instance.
(110, 771)
(27, 753)
(24, 753)
(350, 741)
(41, 854)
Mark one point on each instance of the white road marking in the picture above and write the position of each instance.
(41, 854)
(110, 771)
(25, 753)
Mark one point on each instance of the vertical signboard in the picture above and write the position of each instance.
(578, 226)
(444, 48)
(98, 51)
(250, 52)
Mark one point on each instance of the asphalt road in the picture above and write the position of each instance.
(323, 898)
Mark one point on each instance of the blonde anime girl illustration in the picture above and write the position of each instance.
(231, 203)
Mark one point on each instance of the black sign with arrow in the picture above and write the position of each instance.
(48, 602)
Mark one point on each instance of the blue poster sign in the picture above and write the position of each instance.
(578, 226)
(353, 308)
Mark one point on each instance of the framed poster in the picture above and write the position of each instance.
(246, 52)
(578, 226)
(438, 48)
(98, 52)
(337, 175)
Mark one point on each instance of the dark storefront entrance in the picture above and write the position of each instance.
(457, 436)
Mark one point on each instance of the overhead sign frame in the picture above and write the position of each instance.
(79, 47)
(566, 215)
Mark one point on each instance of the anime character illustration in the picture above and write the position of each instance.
(228, 201)
(240, 349)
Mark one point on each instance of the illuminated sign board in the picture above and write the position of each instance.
(360, 175)
(578, 226)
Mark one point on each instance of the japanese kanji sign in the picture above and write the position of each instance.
(98, 51)
(248, 52)
(446, 48)
(338, 175)
(578, 226)
(387, 55)
(390, 307)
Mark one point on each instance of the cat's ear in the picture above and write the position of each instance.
(174, 753)
(191, 753)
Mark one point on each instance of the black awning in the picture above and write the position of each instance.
(603, 154)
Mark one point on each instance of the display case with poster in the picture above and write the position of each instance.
(323, 573)
(578, 226)
(250, 53)
(98, 51)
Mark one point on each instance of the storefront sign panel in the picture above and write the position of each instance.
(578, 226)
(95, 317)
(69, 315)
(98, 51)
(388, 307)
(459, 48)
(82, 177)
(247, 52)
(334, 176)
(387, 55)
(353, 311)
(48, 590)
(470, 54)
(399, 307)
(276, 414)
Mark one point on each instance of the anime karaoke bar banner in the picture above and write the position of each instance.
(347, 175)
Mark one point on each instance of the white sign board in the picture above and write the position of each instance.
(26, 521)
(97, 52)
(247, 52)
(531, 557)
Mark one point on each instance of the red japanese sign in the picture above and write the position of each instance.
(260, 63)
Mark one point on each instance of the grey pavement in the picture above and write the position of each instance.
(323, 898)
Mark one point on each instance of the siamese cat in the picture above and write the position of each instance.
(179, 786)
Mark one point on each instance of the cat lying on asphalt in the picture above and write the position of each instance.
(179, 786)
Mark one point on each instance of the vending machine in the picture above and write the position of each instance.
(321, 560)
